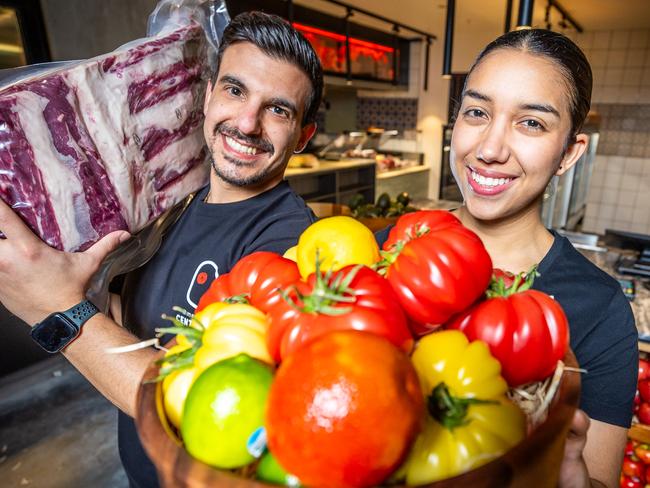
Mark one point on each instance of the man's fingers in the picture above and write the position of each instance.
(11, 225)
(105, 245)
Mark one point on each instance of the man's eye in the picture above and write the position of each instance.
(474, 112)
(233, 90)
(279, 111)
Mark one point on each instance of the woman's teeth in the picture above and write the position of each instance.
(240, 147)
(487, 181)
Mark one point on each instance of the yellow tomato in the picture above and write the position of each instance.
(176, 384)
(337, 241)
(175, 389)
(232, 329)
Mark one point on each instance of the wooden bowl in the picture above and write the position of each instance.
(534, 462)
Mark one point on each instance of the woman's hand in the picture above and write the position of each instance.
(593, 453)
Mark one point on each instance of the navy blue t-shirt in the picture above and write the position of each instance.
(206, 242)
(603, 335)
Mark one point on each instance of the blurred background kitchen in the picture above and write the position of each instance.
(393, 71)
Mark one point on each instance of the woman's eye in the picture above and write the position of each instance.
(533, 124)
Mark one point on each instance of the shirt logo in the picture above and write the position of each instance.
(205, 273)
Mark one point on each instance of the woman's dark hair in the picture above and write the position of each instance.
(278, 39)
(568, 57)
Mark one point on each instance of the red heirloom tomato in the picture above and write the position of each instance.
(633, 468)
(527, 330)
(644, 413)
(642, 451)
(438, 267)
(627, 482)
(644, 390)
(355, 297)
(255, 278)
(644, 369)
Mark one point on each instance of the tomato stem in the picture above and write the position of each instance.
(522, 282)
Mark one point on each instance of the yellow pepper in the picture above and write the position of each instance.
(470, 420)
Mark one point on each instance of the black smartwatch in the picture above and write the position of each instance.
(59, 329)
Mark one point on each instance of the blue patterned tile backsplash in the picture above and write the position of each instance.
(387, 113)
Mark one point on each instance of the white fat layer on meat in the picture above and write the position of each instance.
(104, 107)
(179, 152)
(58, 172)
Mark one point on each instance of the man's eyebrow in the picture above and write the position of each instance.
(283, 102)
(231, 80)
(478, 96)
(541, 107)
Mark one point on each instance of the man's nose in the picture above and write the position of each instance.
(494, 147)
(249, 118)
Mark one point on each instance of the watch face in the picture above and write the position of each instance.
(54, 332)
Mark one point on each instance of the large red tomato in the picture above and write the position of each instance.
(256, 277)
(527, 331)
(355, 297)
(438, 267)
(344, 410)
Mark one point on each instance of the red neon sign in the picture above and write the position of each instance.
(340, 38)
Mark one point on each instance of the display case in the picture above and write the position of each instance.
(22, 34)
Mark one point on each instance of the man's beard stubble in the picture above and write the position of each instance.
(260, 177)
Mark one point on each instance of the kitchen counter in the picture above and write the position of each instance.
(641, 304)
(325, 166)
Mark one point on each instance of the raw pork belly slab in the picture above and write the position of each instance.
(106, 144)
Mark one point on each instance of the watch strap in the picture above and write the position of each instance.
(81, 312)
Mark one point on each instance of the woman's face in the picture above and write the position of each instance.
(509, 136)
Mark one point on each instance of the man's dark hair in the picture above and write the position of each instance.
(278, 39)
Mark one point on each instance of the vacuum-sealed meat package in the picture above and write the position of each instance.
(111, 142)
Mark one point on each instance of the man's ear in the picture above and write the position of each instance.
(573, 153)
(208, 95)
(306, 133)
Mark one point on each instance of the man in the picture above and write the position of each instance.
(259, 109)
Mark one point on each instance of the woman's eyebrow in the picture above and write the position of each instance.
(478, 96)
(541, 107)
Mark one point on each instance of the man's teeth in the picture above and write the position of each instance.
(240, 147)
(487, 181)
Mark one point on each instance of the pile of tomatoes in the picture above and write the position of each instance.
(391, 364)
(635, 465)
(637, 455)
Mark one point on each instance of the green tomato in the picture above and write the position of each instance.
(225, 405)
(269, 470)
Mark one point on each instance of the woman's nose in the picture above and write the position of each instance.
(493, 147)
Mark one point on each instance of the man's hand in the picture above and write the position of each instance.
(37, 280)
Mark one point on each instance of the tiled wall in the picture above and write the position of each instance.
(388, 113)
(619, 194)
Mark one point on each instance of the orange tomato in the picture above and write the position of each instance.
(343, 410)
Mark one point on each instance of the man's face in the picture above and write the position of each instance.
(253, 117)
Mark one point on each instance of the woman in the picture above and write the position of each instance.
(522, 108)
(523, 105)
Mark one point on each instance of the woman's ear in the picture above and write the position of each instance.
(573, 153)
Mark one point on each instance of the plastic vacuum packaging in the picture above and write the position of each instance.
(113, 142)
